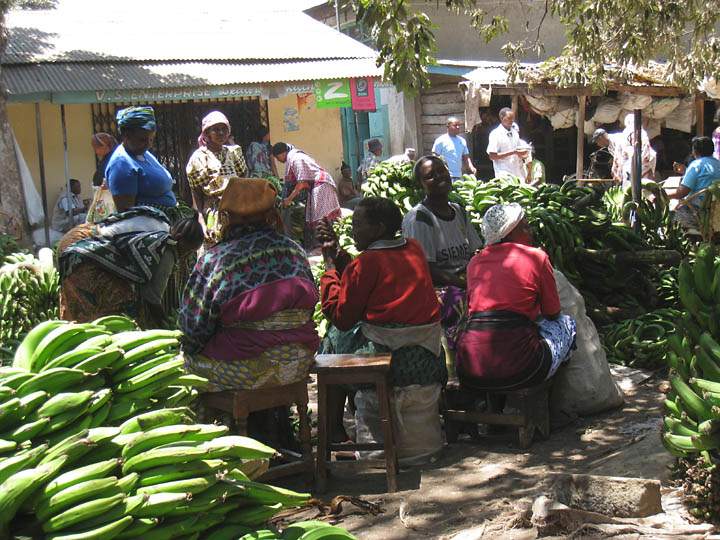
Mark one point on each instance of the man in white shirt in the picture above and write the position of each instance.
(454, 150)
(69, 210)
(505, 148)
(410, 155)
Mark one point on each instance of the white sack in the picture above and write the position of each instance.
(660, 108)
(583, 385)
(543, 105)
(683, 117)
(634, 101)
(607, 111)
(33, 201)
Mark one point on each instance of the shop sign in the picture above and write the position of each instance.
(363, 94)
(332, 94)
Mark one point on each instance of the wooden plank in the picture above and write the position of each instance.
(514, 106)
(441, 88)
(433, 132)
(699, 116)
(444, 108)
(434, 120)
(442, 98)
(580, 123)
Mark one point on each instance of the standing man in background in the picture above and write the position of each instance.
(375, 149)
(454, 150)
(505, 149)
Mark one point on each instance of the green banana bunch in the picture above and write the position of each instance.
(640, 342)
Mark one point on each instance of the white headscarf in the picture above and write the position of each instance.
(500, 220)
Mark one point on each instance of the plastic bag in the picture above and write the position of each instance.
(416, 418)
(102, 205)
(33, 201)
(631, 102)
(607, 111)
(583, 384)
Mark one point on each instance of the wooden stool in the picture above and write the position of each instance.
(242, 402)
(348, 369)
(534, 405)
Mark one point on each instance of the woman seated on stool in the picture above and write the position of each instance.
(515, 336)
(381, 302)
(247, 309)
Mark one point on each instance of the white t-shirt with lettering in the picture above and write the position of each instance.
(450, 244)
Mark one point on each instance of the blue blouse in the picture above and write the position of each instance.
(142, 176)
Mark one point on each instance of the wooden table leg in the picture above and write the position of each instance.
(305, 435)
(323, 437)
(388, 436)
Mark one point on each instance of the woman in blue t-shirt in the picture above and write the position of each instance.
(134, 175)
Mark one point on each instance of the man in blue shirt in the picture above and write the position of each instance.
(454, 150)
(703, 171)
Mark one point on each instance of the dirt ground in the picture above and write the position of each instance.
(482, 484)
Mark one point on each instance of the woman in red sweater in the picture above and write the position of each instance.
(383, 300)
(516, 336)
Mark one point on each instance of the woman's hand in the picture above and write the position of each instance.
(286, 202)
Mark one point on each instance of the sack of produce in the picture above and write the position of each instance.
(583, 384)
(416, 419)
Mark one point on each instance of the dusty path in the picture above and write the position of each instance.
(473, 483)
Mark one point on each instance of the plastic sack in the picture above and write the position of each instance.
(660, 108)
(607, 111)
(683, 117)
(563, 119)
(33, 201)
(582, 385)
(634, 101)
(543, 104)
(589, 128)
(416, 418)
(102, 205)
(653, 128)
(711, 87)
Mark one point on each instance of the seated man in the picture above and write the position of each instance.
(516, 336)
(702, 171)
(69, 210)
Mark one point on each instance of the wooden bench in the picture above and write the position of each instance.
(351, 369)
(242, 402)
(534, 413)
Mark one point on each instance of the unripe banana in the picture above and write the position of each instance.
(162, 456)
(17, 463)
(63, 402)
(150, 376)
(82, 512)
(101, 360)
(52, 381)
(116, 323)
(192, 486)
(237, 446)
(71, 358)
(27, 431)
(253, 515)
(158, 504)
(30, 402)
(172, 434)
(133, 339)
(75, 494)
(181, 471)
(156, 418)
(110, 530)
(90, 472)
(138, 528)
(54, 344)
(24, 352)
(267, 494)
(136, 369)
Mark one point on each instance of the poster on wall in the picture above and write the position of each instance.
(332, 94)
(291, 119)
(362, 93)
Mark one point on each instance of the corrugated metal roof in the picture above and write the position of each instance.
(170, 30)
(70, 77)
(488, 73)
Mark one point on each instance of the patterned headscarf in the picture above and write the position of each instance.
(136, 117)
(500, 220)
(211, 119)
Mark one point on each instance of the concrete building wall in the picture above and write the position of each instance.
(79, 131)
(319, 131)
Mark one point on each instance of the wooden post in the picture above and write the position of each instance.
(580, 122)
(43, 180)
(514, 105)
(637, 167)
(699, 116)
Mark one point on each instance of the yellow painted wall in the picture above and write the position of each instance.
(319, 133)
(79, 131)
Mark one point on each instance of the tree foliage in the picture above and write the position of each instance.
(601, 34)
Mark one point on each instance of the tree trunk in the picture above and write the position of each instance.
(13, 219)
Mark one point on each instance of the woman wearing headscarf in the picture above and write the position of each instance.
(383, 301)
(123, 265)
(247, 310)
(447, 236)
(259, 156)
(303, 173)
(515, 335)
(210, 167)
(134, 175)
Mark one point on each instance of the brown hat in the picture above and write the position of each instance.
(248, 197)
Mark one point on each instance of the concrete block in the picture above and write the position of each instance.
(609, 495)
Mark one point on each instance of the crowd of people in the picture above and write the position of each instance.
(247, 304)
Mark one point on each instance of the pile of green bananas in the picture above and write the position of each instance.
(97, 441)
(8, 245)
(29, 294)
(640, 342)
(692, 406)
(394, 181)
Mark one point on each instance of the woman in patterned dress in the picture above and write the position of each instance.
(304, 174)
(209, 169)
(247, 310)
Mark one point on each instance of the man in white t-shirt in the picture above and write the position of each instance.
(454, 150)
(505, 148)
